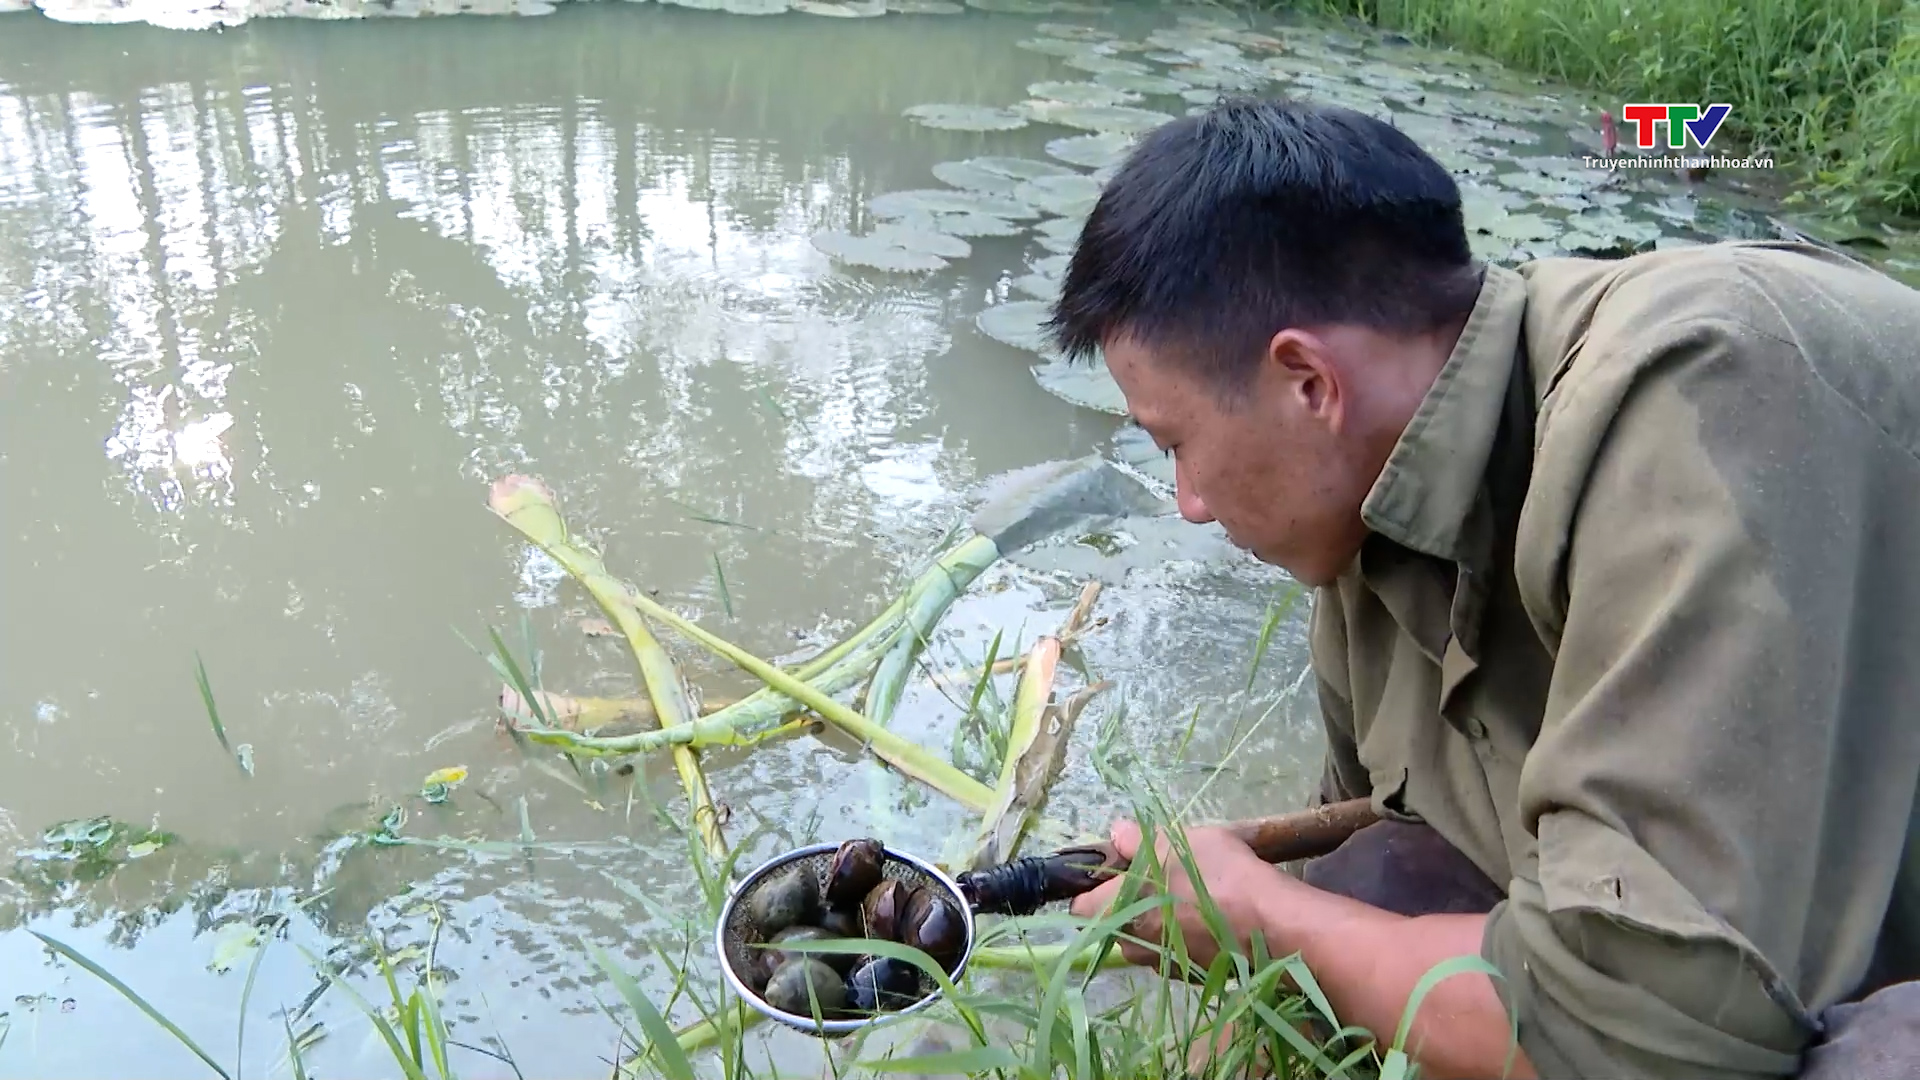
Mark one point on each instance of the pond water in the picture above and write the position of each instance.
(278, 303)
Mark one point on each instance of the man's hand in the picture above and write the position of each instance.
(1236, 882)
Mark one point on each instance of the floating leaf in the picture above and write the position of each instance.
(1134, 447)
(899, 204)
(971, 177)
(1221, 78)
(1053, 45)
(1069, 196)
(1139, 84)
(1119, 119)
(874, 252)
(232, 943)
(922, 241)
(965, 117)
(87, 832)
(1106, 65)
(449, 776)
(967, 225)
(1064, 230)
(1083, 383)
(1075, 33)
(839, 11)
(1038, 286)
(924, 7)
(1051, 266)
(1522, 227)
(144, 848)
(1534, 183)
(1093, 151)
(1082, 93)
(1018, 324)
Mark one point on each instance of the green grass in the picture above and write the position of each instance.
(1830, 88)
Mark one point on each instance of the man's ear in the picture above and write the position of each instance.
(1308, 376)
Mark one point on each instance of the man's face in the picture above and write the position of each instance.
(1277, 467)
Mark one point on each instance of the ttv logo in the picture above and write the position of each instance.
(1681, 120)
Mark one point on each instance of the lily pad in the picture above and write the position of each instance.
(1022, 168)
(1084, 383)
(1118, 119)
(1106, 65)
(1220, 78)
(1066, 230)
(1519, 228)
(1051, 266)
(1038, 286)
(971, 177)
(1082, 93)
(1133, 447)
(1093, 151)
(962, 225)
(875, 252)
(924, 7)
(965, 117)
(1150, 85)
(1069, 196)
(1059, 46)
(1019, 325)
(1541, 184)
(1615, 228)
(840, 11)
(899, 204)
(1075, 33)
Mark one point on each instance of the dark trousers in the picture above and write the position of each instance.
(1409, 869)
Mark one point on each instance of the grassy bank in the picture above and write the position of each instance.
(1831, 88)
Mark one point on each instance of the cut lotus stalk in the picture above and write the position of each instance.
(1071, 631)
(935, 594)
(747, 720)
(909, 757)
(595, 714)
(527, 505)
(1023, 734)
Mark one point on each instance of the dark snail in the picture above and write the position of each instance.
(788, 900)
(854, 872)
(883, 910)
(881, 984)
(843, 921)
(931, 924)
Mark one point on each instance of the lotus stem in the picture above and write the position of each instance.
(1071, 631)
(1023, 734)
(909, 757)
(527, 505)
(592, 714)
(744, 721)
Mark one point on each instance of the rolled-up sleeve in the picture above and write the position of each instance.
(1704, 565)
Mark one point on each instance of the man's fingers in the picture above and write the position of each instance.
(1093, 903)
(1125, 836)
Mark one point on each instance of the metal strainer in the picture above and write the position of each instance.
(736, 935)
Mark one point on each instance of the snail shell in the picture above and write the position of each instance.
(854, 871)
(883, 984)
(883, 909)
(786, 900)
(933, 925)
(787, 990)
(841, 962)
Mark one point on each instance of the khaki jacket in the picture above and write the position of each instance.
(1638, 631)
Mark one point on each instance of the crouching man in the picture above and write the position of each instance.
(1617, 602)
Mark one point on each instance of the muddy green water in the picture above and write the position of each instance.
(276, 304)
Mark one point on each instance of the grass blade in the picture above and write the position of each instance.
(665, 1046)
(720, 580)
(139, 1002)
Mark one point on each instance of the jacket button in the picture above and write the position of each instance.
(1476, 729)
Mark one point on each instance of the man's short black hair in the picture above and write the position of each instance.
(1224, 228)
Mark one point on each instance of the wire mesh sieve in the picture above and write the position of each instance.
(736, 935)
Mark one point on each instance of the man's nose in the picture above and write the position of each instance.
(1192, 507)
